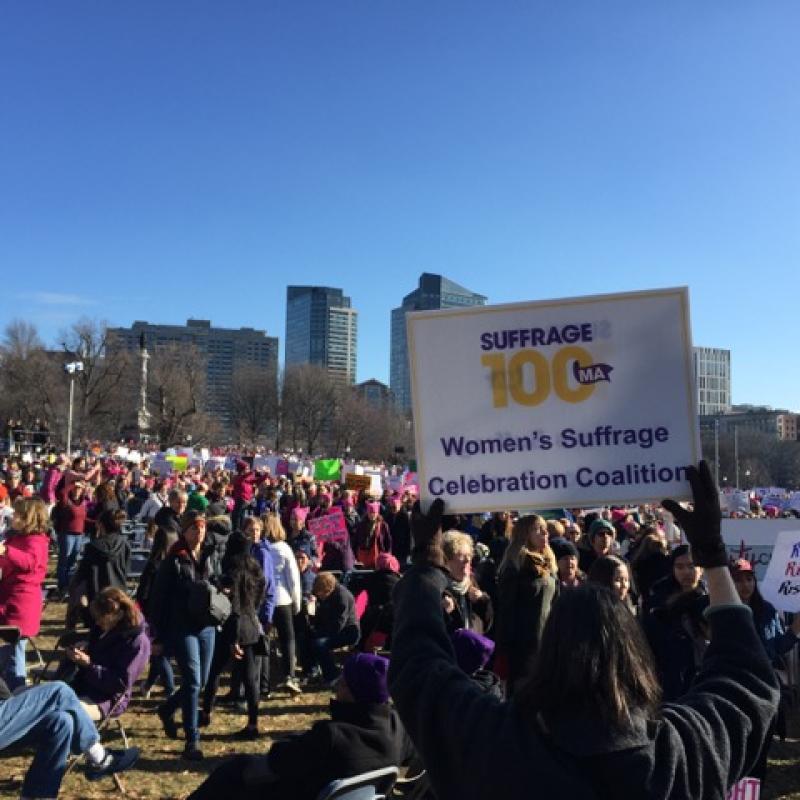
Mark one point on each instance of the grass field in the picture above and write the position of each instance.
(161, 773)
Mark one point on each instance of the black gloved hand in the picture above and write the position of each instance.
(426, 531)
(703, 525)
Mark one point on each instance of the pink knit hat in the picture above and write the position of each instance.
(300, 513)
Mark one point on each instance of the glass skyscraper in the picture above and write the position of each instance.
(712, 379)
(321, 328)
(434, 292)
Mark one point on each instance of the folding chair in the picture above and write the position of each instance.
(375, 785)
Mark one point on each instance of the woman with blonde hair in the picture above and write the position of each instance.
(525, 592)
(287, 597)
(465, 605)
(23, 566)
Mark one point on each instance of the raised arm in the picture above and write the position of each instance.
(724, 720)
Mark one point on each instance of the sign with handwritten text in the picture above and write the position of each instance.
(781, 584)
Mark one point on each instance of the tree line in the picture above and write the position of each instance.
(303, 408)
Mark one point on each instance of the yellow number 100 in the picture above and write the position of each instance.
(509, 378)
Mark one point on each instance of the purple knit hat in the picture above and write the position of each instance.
(365, 676)
(473, 651)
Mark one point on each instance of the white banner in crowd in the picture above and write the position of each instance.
(781, 584)
(735, 501)
(754, 539)
(563, 403)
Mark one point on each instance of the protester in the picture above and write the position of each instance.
(649, 562)
(263, 552)
(589, 725)
(526, 590)
(287, 598)
(569, 576)
(777, 640)
(600, 538)
(169, 516)
(612, 573)
(372, 536)
(241, 639)
(105, 558)
(362, 734)
(114, 657)
(23, 566)
(70, 521)
(473, 653)
(333, 625)
(156, 500)
(379, 585)
(51, 719)
(465, 604)
(185, 630)
(160, 666)
(684, 576)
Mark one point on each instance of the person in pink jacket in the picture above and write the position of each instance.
(23, 565)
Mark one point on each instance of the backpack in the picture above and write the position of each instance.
(207, 605)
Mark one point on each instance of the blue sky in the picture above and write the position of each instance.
(161, 160)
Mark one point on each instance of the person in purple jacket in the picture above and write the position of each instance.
(118, 649)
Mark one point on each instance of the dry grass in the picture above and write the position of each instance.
(161, 773)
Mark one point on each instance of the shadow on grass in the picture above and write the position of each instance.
(177, 765)
(306, 708)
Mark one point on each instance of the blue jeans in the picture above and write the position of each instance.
(160, 667)
(322, 646)
(193, 652)
(50, 718)
(12, 664)
(69, 548)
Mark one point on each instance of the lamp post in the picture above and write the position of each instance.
(71, 368)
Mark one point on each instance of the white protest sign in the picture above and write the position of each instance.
(754, 539)
(735, 501)
(161, 467)
(573, 402)
(781, 584)
(265, 462)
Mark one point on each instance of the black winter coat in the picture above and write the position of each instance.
(169, 597)
(359, 737)
(524, 599)
(169, 521)
(697, 749)
(335, 613)
(104, 563)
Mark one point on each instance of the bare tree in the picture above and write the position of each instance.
(307, 403)
(102, 380)
(31, 384)
(177, 394)
(254, 403)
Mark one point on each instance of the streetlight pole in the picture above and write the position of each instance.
(71, 368)
(716, 451)
(736, 452)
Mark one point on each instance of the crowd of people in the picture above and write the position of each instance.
(577, 639)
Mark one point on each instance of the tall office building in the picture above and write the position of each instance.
(322, 328)
(226, 350)
(712, 379)
(433, 292)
